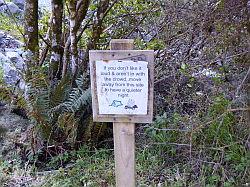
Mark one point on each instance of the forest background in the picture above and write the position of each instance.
(200, 133)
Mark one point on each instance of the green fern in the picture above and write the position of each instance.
(60, 91)
(69, 124)
(5, 94)
(57, 107)
(38, 97)
(78, 98)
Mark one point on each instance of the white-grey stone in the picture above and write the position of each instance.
(13, 8)
(208, 72)
(11, 61)
(3, 60)
(10, 50)
(8, 42)
(19, 3)
(11, 76)
(16, 59)
(3, 9)
(17, 50)
(2, 2)
(2, 34)
(11, 71)
(10, 8)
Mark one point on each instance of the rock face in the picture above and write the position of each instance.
(11, 61)
(10, 8)
(8, 42)
(16, 7)
(1, 3)
(19, 3)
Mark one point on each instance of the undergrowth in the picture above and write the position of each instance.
(190, 143)
(10, 25)
(213, 152)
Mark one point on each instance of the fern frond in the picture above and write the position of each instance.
(5, 94)
(77, 99)
(68, 123)
(80, 81)
(60, 91)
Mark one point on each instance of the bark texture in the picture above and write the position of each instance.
(73, 32)
(78, 12)
(56, 28)
(31, 27)
(97, 30)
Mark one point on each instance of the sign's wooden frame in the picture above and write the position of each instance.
(134, 55)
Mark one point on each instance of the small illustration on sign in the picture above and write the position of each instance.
(131, 105)
(116, 103)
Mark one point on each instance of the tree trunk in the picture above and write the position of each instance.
(78, 11)
(45, 47)
(73, 41)
(31, 32)
(97, 30)
(56, 28)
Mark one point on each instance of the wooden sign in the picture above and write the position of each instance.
(122, 93)
(122, 85)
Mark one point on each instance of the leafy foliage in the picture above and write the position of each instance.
(200, 134)
(217, 143)
(77, 99)
(54, 107)
(9, 25)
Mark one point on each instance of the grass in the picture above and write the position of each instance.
(87, 167)
(176, 150)
(9, 25)
(96, 168)
(90, 168)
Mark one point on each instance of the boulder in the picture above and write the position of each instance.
(10, 8)
(11, 71)
(15, 58)
(11, 61)
(13, 8)
(7, 41)
(3, 59)
(2, 9)
(11, 76)
(2, 2)
(19, 3)
(45, 4)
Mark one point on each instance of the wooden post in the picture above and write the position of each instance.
(124, 136)
(114, 98)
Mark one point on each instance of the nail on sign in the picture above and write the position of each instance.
(122, 86)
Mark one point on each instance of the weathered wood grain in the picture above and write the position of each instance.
(124, 139)
(135, 55)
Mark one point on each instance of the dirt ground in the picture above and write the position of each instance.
(14, 171)
(14, 127)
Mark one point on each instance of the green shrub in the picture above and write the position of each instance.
(166, 133)
(219, 141)
(9, 25)
(87, 167)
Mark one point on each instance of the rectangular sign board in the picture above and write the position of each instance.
(122, 85)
